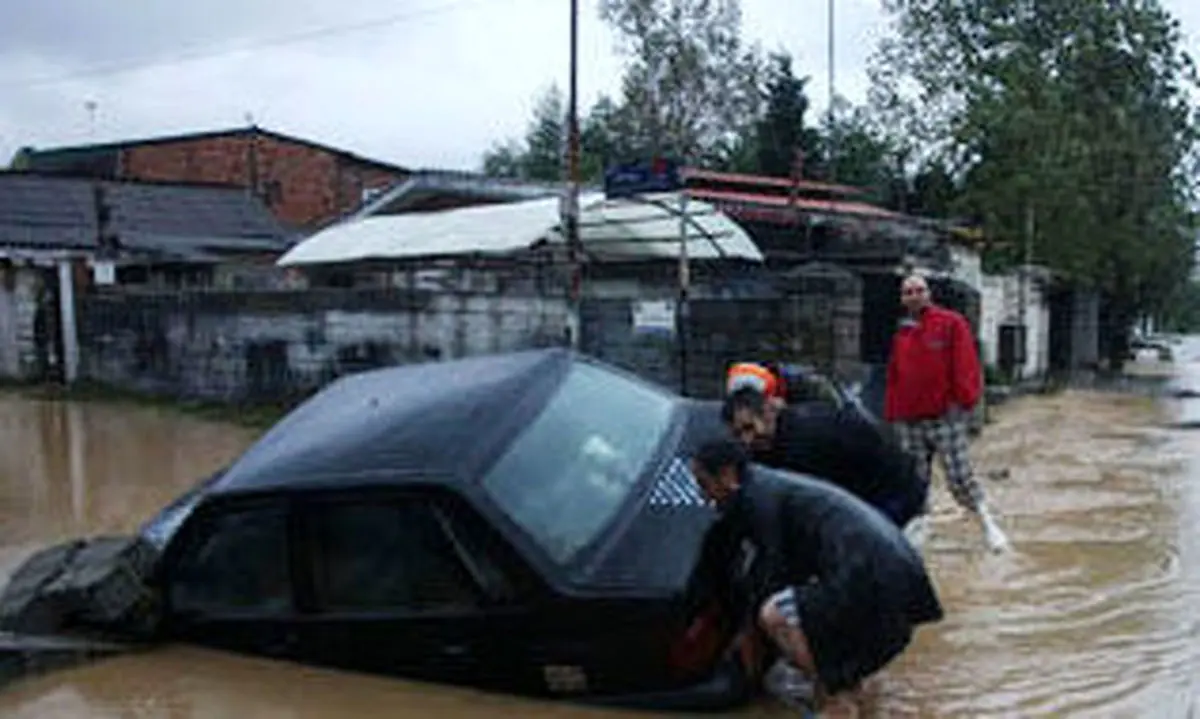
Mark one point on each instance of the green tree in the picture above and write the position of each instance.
(546, 139)
(852, 151)
(540, 156)
(932, 192)
(505, 159)
(1064, 120)
(599, 139)
(782, 131)
(691, 88)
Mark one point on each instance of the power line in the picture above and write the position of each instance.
(307, 36)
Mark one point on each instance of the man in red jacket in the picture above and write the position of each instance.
(933, 382)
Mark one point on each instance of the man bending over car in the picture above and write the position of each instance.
(837, 446)
(843, 589)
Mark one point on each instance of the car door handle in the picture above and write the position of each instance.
(454, 650)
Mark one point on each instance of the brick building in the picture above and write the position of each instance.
(305, 184)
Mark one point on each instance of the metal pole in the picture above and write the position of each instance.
(570, 209)
(683, 312)
(91, 106)
(1022, 298)
(832, 95)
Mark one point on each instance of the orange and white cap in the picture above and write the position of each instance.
(755, 376)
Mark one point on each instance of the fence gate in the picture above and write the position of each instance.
(824, 317)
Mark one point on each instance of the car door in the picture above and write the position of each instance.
(229, 582)
(386, 592)
(518, 617)
(538, 641)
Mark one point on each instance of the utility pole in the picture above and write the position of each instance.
(683, 311)
(570, 205)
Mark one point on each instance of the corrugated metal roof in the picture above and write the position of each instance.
(737, 178)
(46, 213)
(608, 228)
(721, 197)
(212, 217)
(394, 200)
(61, 213)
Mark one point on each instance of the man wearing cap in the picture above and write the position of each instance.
(934, 380)
(837, 446)
(762, 377)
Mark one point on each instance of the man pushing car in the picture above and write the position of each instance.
(839, 446)
(843, 590)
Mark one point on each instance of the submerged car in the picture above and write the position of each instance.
(522, 522)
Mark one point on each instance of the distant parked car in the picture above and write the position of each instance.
(1150, 350)
(522, 522)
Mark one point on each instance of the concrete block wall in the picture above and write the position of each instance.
(280, 345)
(19, 289)
(1000, 304)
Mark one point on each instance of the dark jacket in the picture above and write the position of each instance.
(870, 590)
(853, 453)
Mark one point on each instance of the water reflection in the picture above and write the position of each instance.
(1093, 614)
(70, 469)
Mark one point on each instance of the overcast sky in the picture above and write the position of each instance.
(429, 85)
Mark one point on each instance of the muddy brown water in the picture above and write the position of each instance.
(1096, 612)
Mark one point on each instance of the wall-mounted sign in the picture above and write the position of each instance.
(654, 317)
(658, 175)
(104, 273)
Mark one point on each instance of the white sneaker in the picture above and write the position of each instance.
(996, 539)
(789, 685)
(917, 532)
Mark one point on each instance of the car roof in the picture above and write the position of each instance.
(435, 422)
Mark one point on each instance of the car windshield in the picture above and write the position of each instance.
(569, 472)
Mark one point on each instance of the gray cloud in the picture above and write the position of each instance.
(431, 88)
(87, 33)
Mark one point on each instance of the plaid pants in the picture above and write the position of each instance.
(948, 437)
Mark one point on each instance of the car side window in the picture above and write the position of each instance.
(387, 557)
(238, 564)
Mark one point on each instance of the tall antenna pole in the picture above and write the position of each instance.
(91, 106)
(833, 140)
(570, 209)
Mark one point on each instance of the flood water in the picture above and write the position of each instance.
(1095, 613)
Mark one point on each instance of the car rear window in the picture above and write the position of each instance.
(392, 556)
(566, 476)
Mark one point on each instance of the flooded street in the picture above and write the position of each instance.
(1093, 614)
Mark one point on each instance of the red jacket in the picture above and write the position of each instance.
(934, 366)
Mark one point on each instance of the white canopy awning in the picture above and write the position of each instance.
(634, 229)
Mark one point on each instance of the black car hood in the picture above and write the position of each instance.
(660, 545)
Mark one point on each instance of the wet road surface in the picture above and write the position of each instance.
(1089, 616)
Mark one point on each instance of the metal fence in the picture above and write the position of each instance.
(813, 318)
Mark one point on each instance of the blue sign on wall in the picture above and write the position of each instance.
(658, 175)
